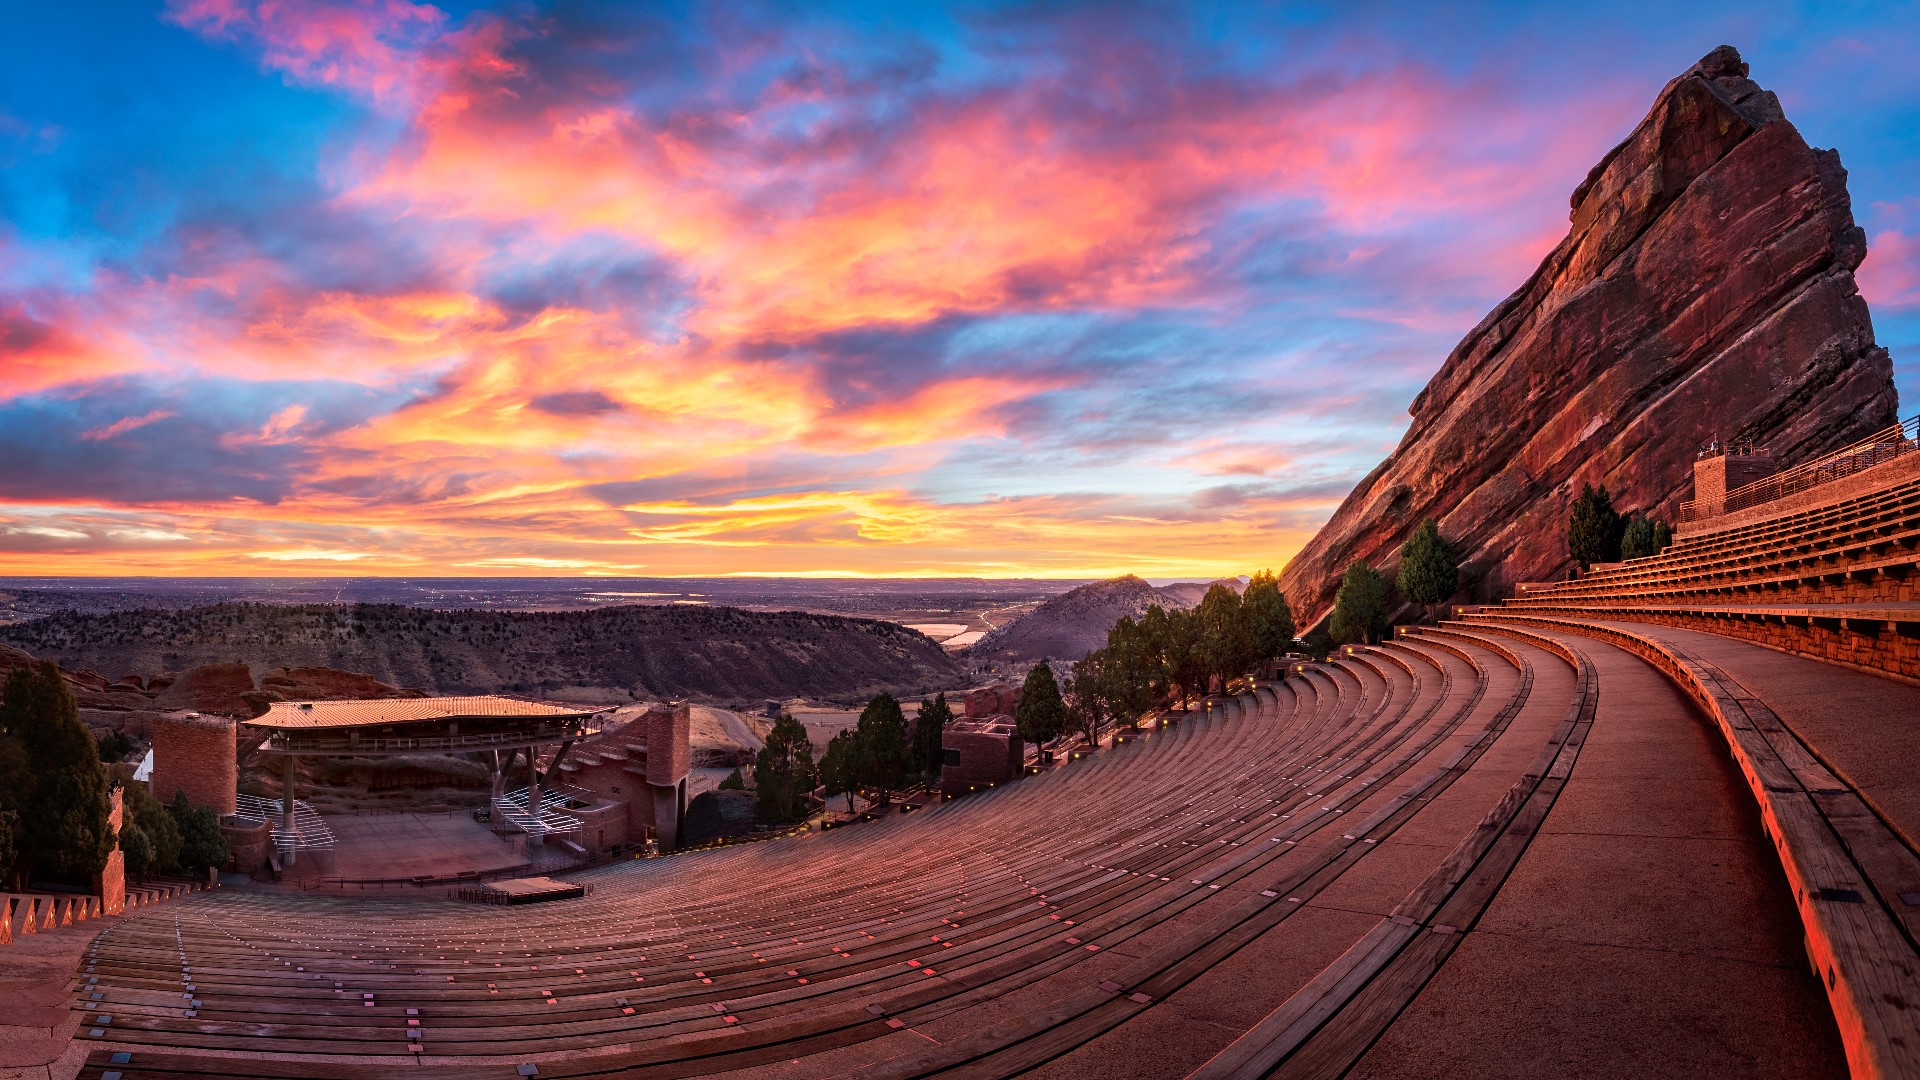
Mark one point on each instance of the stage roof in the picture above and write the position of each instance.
(315, 715)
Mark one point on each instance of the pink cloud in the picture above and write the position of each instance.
(370, 47)
(126, 424)
(1890, 278)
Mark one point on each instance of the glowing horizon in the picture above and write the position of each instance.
(296, 288)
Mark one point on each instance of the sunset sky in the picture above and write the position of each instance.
(295, 287)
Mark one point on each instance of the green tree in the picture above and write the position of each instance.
(1185, 660)
(1088, 703)
(113, 746)
(16, 782)
(733, 781)
(1269, 616)
(138, 849)
(9, 821)
(62, 798)
(1360, 607)
(139, 807)
(929, 723)
(1662, 536)
(1130, 672)
(784, 772)
(840, 766)
(1226, 633)
(882, 732)
(1429, 571)
(1318, 643)
(1594, 528)
(1636, 538)
(1041, 715)
(201, 844)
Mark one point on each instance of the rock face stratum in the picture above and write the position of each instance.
(1705, 290)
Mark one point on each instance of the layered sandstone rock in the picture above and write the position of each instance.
(1704, 291)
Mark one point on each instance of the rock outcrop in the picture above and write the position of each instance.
(1076, 622)
(1705, 290)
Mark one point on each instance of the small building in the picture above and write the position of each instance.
(499, 728)
(980, 752)
(638, 773)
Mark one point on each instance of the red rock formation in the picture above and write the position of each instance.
(326, 684)
(1704, 290)
(210, 688)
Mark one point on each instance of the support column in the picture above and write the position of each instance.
(498, 774)
(286, 808)
(533, 792)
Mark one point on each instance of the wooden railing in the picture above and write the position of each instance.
(1879, 448)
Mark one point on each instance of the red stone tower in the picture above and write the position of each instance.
(194, 753)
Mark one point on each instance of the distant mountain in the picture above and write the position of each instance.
(1190, 593)
(712, 653)
(1075, 623)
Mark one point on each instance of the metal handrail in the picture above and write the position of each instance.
(1879, 448)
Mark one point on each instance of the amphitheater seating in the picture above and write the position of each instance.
(1836, 582)
(911, 945)
(1304, 867)
(1364, 812)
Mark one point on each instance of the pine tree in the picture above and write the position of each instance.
(62, 800)
(840, 766)
(201, 843)
(1129, 671)
(882, 732)
(1662, 536)
(1594, 528)
(1041, 715)
(1360, 607)
(1636, 539)
(1269, 615)
(784, 772)
(1429, 572)
(1226, 633)
(1186, 663)
(138, 849)
(1087, 695)
(928, 725)
(140, 808)
(9, 822)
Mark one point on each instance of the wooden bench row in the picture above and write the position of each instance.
(1189, 799)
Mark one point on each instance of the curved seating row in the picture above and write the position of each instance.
(988, 936)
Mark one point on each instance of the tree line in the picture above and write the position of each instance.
(1597, 533)
(56, 797)
(881, 752)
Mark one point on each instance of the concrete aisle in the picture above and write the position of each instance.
(1646, 932)
(1862, 725)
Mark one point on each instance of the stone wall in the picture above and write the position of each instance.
(247, 840)
(668, 729)
(194, 752)
(987, 751)
(110, 884)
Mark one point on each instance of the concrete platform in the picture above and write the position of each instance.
(386, 846)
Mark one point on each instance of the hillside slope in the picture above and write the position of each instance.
(714, 653)
(1705, 290)
(1074, 623)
